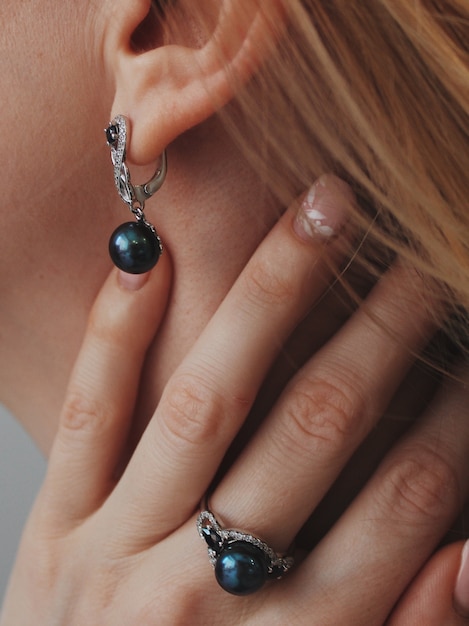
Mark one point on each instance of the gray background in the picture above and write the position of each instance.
(22, 469)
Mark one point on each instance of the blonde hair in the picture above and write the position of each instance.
(377, 91)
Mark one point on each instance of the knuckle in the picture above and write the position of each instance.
(420, 487)
(323, 413)
(81, 413)
(266, 285)
(192, 412)
(43, 563)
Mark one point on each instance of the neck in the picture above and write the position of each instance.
(199, 217)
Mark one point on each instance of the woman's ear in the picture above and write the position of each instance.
(165, 89)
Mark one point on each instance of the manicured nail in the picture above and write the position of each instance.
(132, 282)
(324, 208)
(461, 591)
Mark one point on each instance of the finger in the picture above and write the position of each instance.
(326, 412)
(461, 591)
(210, 395)
(395, 523)
(429, 599)
(102, 390)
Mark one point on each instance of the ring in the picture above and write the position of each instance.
(243, 563)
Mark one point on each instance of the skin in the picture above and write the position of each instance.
(72, 211)
(35, 279)
(92, 75)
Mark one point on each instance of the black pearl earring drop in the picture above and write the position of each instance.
(134, 247)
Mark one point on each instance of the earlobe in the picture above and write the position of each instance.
(168, 89)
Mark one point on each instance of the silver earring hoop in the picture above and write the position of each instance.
(134, 247)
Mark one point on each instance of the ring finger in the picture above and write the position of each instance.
(210, 395)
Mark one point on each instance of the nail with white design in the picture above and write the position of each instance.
(324, 208)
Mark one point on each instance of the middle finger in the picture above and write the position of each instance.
(326, 412)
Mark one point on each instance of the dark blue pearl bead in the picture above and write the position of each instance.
(134, 248)
(241, 568)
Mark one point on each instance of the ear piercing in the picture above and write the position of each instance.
(134, 247)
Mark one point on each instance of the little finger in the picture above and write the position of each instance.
(100, 398)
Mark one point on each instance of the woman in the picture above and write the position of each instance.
(374, 92)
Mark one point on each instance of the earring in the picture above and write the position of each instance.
(134, 247)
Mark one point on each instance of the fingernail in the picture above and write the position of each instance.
(132, 282)
(461, 591)
(324, 208)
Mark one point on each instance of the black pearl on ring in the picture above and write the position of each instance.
(134, 247)
(241, 568)
(243, 563)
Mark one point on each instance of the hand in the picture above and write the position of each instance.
(103, 549)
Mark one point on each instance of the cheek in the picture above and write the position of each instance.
(53, 158)
(30, 62)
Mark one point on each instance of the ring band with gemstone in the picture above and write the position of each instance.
(242, 562)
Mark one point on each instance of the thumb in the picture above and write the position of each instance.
(430, 598)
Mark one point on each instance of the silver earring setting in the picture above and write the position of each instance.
(134, 247)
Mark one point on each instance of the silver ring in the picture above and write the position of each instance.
(243, 563)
